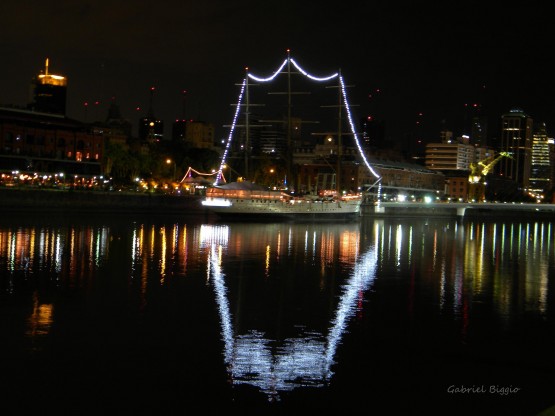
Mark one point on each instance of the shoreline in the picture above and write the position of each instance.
(87, 201)
(57, 201)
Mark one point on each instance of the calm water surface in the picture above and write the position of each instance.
(184, 315)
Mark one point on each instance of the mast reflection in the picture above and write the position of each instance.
(272, 365)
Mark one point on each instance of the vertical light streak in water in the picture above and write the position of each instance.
(479, 257)
(409, 254)
(58, 249)
(398, 245)
(314, 245)
(379, 238)
(545, 237)
(549, 233)
(434, 250)
(290, 241)
(102, 246)
(537, 271)
(503, 233)
(152, 242)
(143, 257)
(494, 241)
(267, 261)
(91, 246)
(442, 282)
(97, 246)
(163, 255)
(278, 252)
(31, 256)
(525, 241)
(11, 250)
(214, 270)
(136, 247)
(41, 248)
(72, 259)
(174, 245)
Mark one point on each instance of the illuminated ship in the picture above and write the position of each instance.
(244, 198)
(248, 199)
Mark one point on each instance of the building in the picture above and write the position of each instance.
(151, 129)
(449, 156)
(48, 143)
(516, 139)
(48, 93)
(200, 135)
(541, 170)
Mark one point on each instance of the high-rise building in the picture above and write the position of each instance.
(151, 129)
(541, 171)
(516, 139)
(475, 124)
(48, 93)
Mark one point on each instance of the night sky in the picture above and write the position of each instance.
(425, 57)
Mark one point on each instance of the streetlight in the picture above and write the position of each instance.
(169, 161)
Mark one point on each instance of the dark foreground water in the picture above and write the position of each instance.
(125, 315)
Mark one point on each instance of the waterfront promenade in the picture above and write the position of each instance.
(458, 209)
(84, 201)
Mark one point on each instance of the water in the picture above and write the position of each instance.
(182, 315)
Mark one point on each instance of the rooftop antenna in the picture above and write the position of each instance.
(150, 109)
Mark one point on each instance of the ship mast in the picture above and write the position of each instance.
(289, 151)
(339, 141)
(247, 123)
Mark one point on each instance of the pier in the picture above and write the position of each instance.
(457, 209)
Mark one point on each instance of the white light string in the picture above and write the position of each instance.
(228, 143)
(353, 131)
(312, 77)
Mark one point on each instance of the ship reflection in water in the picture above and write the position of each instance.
(280, 311)
(280, 365)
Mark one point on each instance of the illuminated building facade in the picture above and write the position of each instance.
(541, 173)
(39, 142)
(516, 138)
(48, 93)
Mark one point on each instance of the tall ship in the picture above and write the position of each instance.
(305, 192)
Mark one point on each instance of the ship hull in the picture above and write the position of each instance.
(299, 210)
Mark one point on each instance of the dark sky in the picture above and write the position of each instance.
(424, 57)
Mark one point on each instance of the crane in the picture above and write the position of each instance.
(478, 173)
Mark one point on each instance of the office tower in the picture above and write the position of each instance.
(48, 93)
(151, 129)
(541, 172)
(516, 139)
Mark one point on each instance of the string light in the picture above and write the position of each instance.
(233, 124)
(312, 77)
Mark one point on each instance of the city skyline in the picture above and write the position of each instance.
(420, 64)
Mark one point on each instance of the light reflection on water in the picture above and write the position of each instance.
(287, 294)
(305, 360)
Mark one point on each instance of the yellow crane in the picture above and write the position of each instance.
(478, 173)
